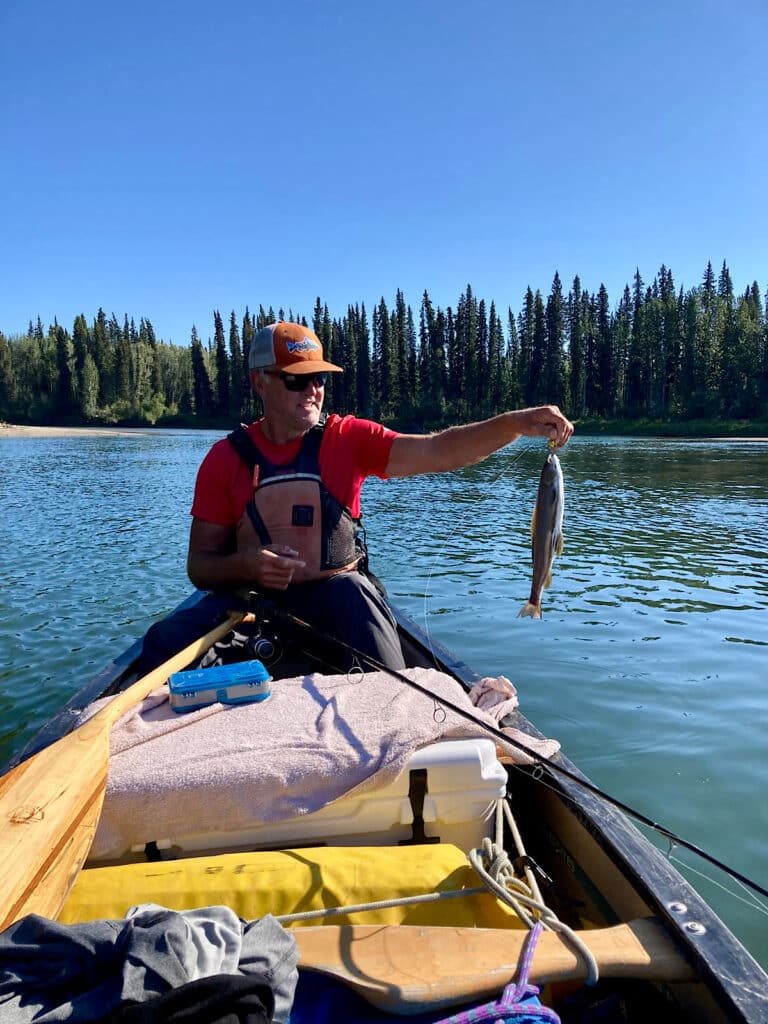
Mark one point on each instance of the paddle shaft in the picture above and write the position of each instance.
(407, 969)
(51, 803)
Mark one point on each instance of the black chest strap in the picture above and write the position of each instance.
(307, 460)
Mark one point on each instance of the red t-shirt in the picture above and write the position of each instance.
(352, 450)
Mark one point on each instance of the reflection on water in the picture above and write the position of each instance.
(649, 663)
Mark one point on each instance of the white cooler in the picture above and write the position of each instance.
(464, 779)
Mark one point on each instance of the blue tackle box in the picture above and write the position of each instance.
(241, 683)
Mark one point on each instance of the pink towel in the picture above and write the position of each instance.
(315, 739)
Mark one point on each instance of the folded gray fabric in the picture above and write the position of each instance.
(51, 972)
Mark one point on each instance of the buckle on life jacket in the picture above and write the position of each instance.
(302, 515)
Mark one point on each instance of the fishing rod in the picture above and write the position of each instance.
(280, 613)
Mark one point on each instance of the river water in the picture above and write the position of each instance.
(649, 664)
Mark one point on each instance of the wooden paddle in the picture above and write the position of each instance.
(407, 969)
(50, 804)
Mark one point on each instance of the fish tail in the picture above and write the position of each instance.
(530, 611)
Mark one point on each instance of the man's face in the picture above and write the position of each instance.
(291, 412)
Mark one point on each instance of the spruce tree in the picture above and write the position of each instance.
(351, 363)
(49, 369)
(383, 363)
(89, 388)
(236, 372)
(317, 316)
(8, 385)
(606, 356)
(402, 398)
(413, 364)
(538, 352)
(123, 371)
(325, 333)
(495, 376)
(364, 386)
(250, 403)
(66, 398)
(512, 395)
(594, 383)
(432, 361)
(670, 344)
(80, 347)
(467, 340)
(636, 390)
(526, 327)
(725, 285)
(575, 349)
(691, 376)
(481, 402)
(553, 389)
(202, 390)
(148, 340)
(708, 356)
(103, 357)
(223, 390)
(708, 282)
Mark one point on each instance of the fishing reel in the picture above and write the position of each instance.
(265, 646)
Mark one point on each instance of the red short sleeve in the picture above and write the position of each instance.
(222, 487)
(352, 450)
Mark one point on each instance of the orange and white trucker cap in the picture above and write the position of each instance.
(290, 347)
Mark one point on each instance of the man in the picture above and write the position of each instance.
(277, 504)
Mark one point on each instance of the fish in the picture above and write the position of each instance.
(546, 532)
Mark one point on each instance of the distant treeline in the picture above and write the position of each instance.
(661, 354)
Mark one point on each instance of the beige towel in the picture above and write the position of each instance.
(315, 739)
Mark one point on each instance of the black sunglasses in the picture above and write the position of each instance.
(300, 381)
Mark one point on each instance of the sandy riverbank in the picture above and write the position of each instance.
(18, 430)
(15, 430)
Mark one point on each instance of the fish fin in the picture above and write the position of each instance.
(548, 581)
(559, 544)
(533, 524)
(530, 611)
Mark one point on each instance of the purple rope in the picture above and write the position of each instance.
(510, 1005)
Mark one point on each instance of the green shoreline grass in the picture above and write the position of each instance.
(673, 428)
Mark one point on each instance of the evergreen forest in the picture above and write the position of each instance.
(662, 355)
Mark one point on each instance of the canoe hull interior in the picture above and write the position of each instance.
(596, 869)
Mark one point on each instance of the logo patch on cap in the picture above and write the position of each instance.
(305, 345)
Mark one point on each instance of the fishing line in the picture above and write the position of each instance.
(750, 900)
(498, 734)
(505, 469)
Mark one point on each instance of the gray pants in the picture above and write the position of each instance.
(346, 606)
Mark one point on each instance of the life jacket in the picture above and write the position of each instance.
(291, 505)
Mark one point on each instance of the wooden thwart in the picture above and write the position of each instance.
(407, 969)
(50, 804)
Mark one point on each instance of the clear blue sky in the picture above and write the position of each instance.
(165, 159)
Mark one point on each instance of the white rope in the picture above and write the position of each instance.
(493, 865)
(400, 901)
(517, 839)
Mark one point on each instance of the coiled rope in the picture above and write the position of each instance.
(494, 867)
